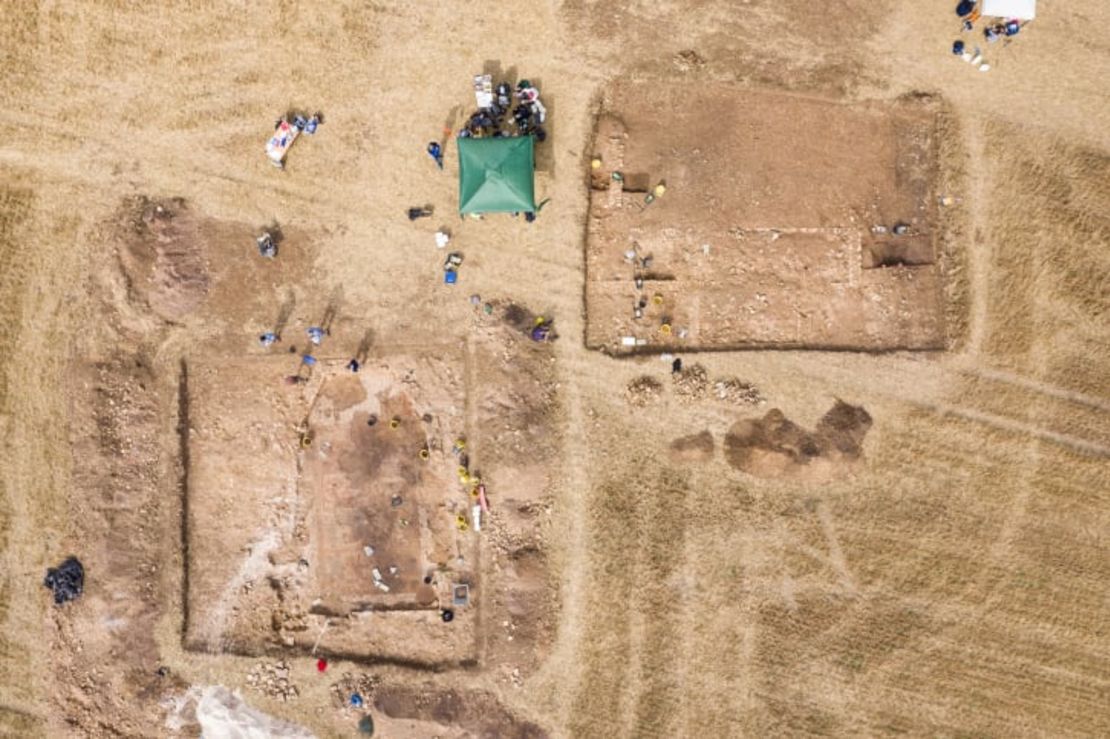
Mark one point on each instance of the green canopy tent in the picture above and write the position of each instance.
(496, 175)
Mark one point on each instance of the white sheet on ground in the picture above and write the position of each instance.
(222, 714)
(1024, 10)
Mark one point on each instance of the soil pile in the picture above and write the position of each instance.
(643, 390)
(272, 679)
(775, 446)
(844, 427)
(692, 448)
(734, 390)
(691, 383)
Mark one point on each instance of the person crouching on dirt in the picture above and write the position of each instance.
(542, 331)
(435, 151)
(267, 247)
(521, 114)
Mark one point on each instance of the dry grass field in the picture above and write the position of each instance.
(661, 560)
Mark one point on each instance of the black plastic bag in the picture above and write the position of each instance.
(67, 580)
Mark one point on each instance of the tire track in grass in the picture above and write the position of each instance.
(606, 651)
(661, 525)
(632, 655)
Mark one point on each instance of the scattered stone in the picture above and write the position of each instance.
(691, 382)
(733, 390)
(775, 446)
(643, 390)
(272, 679)
(362, 685)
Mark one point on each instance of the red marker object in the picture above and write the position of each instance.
(321, 664)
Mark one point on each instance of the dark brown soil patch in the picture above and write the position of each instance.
(693, 448)
(479, 713)
(643, 390)
(518, 317)
(775, 446)
(844, 427)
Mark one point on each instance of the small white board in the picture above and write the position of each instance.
(483, 90)
(1023, 10)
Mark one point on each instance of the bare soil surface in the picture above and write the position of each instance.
(774, 446)
(940, 569)
(801, 223)
(449, 713)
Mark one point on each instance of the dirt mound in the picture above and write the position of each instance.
(734, 390)
(163, 257)
(691, 383)
(363, 684)
(688, 60)
(643, 390)
(692, 448)
(844, 427)
(475, 712)
(775, 446)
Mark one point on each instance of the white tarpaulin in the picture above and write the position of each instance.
(1023, 10)
(223, 714)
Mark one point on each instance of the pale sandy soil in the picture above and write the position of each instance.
(952, 581)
